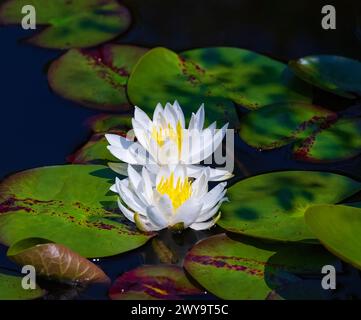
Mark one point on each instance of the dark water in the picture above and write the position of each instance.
(38, 128)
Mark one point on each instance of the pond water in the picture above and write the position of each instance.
(39, 128)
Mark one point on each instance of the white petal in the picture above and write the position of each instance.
(170, 115)
(142, 133)
(202, 225)
(156, 217)
(127, 213)
(130, 198)
(187, 213)
(141, 117)
(165, 205)
(114, 188)
(144, 224)
(206, 215)
(214, 174)
(118, 141)
(197, 121)
(119, 167)
(147, 182)
(200, 185)
(180, 114)
(157, 111)
(211, 198)
(134, 177)
(205, 144)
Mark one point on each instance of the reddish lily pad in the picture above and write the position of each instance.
(161, 282)
(55, 261)
(68, 23)
(249, 269)
(317, 134)
(95, 78)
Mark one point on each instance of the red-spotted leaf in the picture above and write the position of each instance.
(70, 23)
(317, 134)
(95, 78)
(55, 261)
(218, 77)
(250, 269)
(161, 282)
(71, 205)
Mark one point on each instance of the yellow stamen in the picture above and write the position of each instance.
(178, 191)
(160, 135)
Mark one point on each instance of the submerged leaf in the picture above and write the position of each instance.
(55, 261)
(161, 282)
(70, 24)
(71, 205)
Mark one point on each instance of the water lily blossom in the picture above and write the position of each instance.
(169, 199)
(165, 140)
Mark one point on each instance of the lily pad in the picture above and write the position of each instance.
(93, 152)
(69, 205)
(272, 205)
(217, 77)
(336, 74)
(96, 78)
(55, 261)
(68, 23)
(109, 122)
(251, 270)
(338, 228)
(11, 289)
(161, 282)
(318, 134)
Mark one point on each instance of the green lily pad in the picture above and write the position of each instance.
(95, 78)
(161, 282)
(217, 77)
(109, 122)
(70, 24)
(318, 134)
(272, 205)
(55, 261)
(338, 228)
(251, 270)
(69, 205)
(93, 152)
(11, 289)
(336, 74)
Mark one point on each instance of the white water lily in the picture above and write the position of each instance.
(169, 199)
(164, 140)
